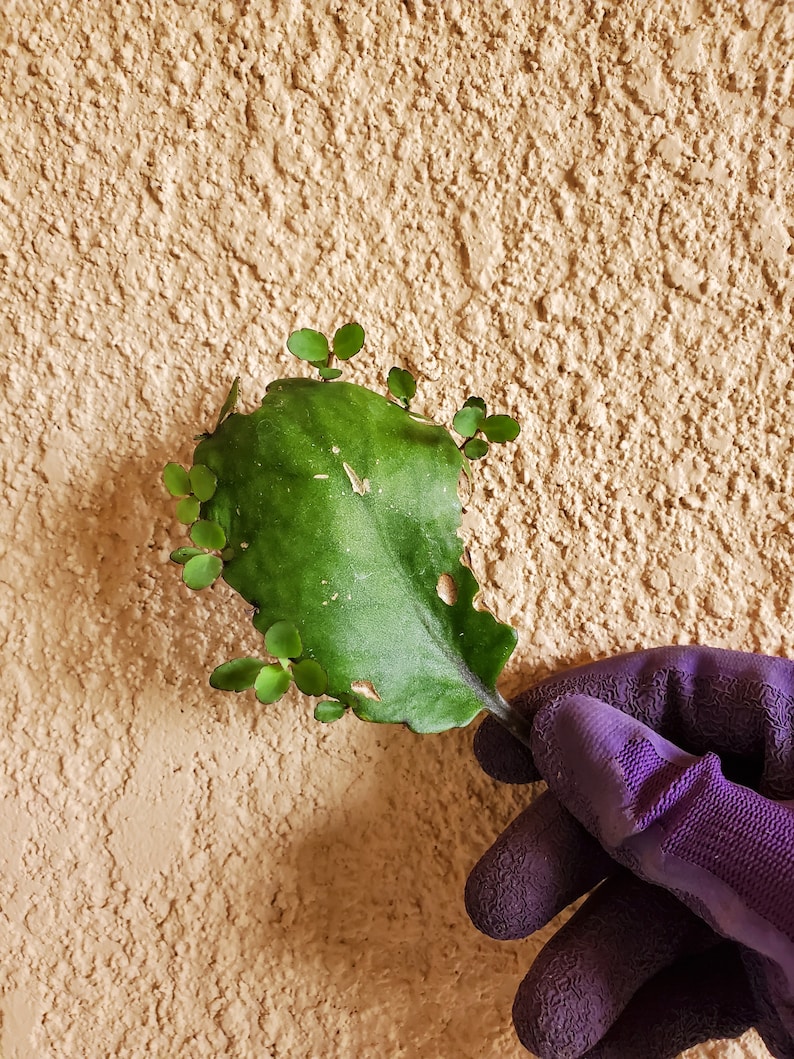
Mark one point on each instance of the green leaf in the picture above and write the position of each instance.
(271, 683)
(329, 373)
(402, 385)
(187, 510)
(467, 421)
(500, 428)
(181, 555)
(176, 479)
(206, 534)
(475, 449)
(356, 567)
(348, 340)
(310, 677)
(328, 711)
(308, 345)
(237, 675)
(201, 571)
(230, 403)
(283, 640)
(475, 402)
(203, 482)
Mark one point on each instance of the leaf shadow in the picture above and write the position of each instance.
(377, 925)
(366, 906)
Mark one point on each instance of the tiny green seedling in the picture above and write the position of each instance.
(334, 512)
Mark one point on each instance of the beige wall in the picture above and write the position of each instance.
(580, 210)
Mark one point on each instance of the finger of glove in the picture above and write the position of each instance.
(676, 821)
(541, 863)
(738, 705)
(699, 998)
(501, 755)
(583, 979)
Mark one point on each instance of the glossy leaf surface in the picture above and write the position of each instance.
(176, 479)
(237, 675)
(342, 512)
(310, 345)
(201, 571)
(348, 340)
(500, 428)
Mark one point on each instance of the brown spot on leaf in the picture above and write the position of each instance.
(447, 589)
(359, 486)
(366, 689)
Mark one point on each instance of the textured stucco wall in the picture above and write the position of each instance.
(582, 211)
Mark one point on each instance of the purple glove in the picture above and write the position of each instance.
(690, 934)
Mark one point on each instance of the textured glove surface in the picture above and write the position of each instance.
(637, 748)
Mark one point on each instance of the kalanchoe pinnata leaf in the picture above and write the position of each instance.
(475, 402)
(187, 510)
(283, 640)
(181, 555)
(475, 449)
(310, 345)
(237, 675)
(402, 385)
(271, 683)
(310, 677)
(201, 571)
(176, 480)
(206, 534)
(348, 340)
(202, 482)
(467, 421)
(329, 373)
(343, 513)
(328, 711)
(500, 428)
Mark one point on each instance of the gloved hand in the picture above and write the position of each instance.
(690, 934)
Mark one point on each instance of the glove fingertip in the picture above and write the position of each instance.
(502, 756)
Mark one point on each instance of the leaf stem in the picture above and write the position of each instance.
(509, 717)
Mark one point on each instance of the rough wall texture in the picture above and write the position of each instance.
(581, 210)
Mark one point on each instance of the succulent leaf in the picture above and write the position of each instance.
(310, 677)
(181, 555)
(271, 683)
(402, 385)
(237, 675)
(310, 345)
(187, 510)
(328, 711)
(201, 571)
(343, 513)
(500, 428)
(348, 340)
(476, 448)
(283, 640)
(202, 482)
(205, 534)
(468, 420)
(176, 480)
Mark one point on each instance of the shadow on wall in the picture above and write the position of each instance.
(361, 917)
(134, 624)
(376, 924)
